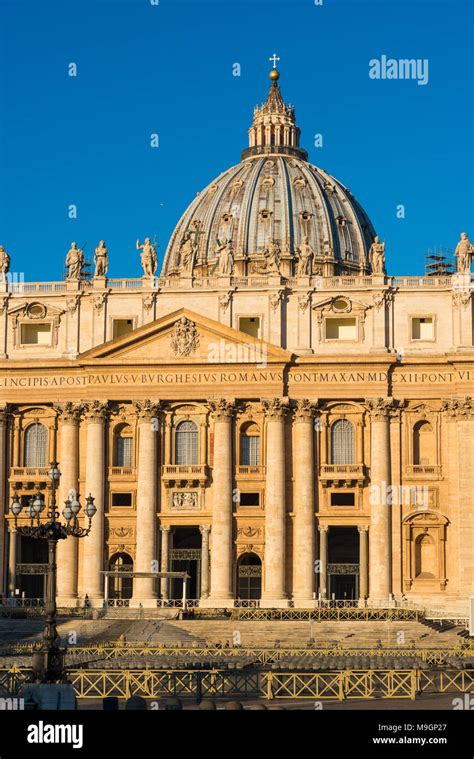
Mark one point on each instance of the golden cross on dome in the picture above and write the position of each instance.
(274, 58)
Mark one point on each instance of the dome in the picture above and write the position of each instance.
(273, 213)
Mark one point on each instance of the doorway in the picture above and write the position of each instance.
(185, 556)
(249, 577)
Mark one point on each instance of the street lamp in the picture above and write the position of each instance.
(48, 662)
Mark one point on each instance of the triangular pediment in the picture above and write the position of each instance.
(186, 337)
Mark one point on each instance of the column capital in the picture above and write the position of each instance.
(323, 527)
(222, 408)
(363, 527)
(304, 410)
(95, 411)
(275, 408)
(380, 408)
(147, 409)
(458, 408)
(69, 412)
(165, 527)
(204, 529)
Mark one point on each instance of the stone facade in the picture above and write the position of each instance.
(285, 431)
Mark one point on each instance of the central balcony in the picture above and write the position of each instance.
(342, 475)
(184, 474)
(29, 476)
(250, 472)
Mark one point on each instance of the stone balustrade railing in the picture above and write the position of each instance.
(250, 282)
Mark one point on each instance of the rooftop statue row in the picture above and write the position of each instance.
(76, 265)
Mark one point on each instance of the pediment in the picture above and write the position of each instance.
(340, 304)
(186, 337)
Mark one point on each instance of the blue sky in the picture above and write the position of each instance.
(168, 69)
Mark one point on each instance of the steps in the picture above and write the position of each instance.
(248, 633)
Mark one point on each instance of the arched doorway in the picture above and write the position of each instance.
(249, 577)
(120, 587)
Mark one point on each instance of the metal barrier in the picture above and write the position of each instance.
(329, 613)
(337, 685)
(261, 654)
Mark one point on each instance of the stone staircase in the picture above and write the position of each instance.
(294, 634)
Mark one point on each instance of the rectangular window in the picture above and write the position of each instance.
(250, 325)
(340, 328)
(121, 499)
(342, 499)
(124, 451)
(250, 499)
(422, 328)
(121, 327)
(250, 452)
(36, 334)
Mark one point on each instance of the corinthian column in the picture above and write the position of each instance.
(222, 544)
(69, 415)
(95, 414)
(304, 523)
(380, 549)
(144, 591)
(164, 582)
(205, 529)
(3, 495)
(363, 562)
(274, 593)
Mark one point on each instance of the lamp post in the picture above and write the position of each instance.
(48, 661)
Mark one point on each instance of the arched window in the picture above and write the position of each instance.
(250, 445)
(423, 444)
(342, 442)
(186, 446)
(123, 446)
(36, 446)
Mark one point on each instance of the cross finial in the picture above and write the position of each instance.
(274, 58)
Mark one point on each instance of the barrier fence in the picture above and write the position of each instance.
(338, 685)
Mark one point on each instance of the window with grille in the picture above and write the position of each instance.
(123, 456)
(36, 446)
(250, 447)
(186, 443)
(342, 442)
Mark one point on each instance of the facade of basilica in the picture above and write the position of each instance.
(271, 413)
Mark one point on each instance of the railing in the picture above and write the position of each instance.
(122, 603)
(29, 471)
(250, 471)
(251, 281)
(173, 471)
(122, 471)
(422, 470)
(247, 603)
(355, 471)
(328, 613)
(177, 603)
(335, 685)
(22, 603)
